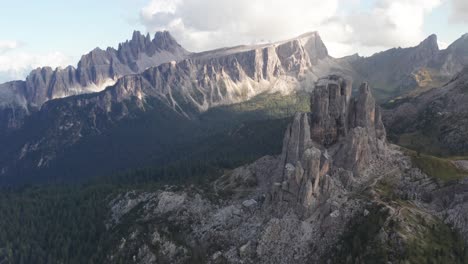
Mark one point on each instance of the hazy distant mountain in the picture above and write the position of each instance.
(403, 71)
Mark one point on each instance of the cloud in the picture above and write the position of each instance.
(207, 24)
(389, 23)
(16, 65)
(459, 11)
(7, 45)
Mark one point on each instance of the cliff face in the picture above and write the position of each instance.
(341, 132)
(205, 80)
(189, 83)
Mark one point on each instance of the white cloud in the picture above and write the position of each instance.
(7, 45)
(442, 44)
(459, 11)
(389, 23)
(16, 65)
(207, 24)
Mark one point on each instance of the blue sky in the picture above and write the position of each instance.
(52, 32)
(72, 27)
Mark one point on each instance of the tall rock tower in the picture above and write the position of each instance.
(340, 138)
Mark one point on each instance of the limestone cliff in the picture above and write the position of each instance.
(341, 133)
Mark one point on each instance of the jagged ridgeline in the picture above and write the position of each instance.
(150, 102)
(180, 109)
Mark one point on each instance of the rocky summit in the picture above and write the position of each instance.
(341, 132)
(338, 193)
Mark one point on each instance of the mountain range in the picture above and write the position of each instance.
(50, 120)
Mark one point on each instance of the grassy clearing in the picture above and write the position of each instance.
(440, 168)
(422, 143)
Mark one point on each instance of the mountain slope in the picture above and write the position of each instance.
(435, 121)
(52, 148)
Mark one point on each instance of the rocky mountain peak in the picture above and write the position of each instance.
(137, 35)
(98, 69)
(343, 135)
(164, 40)
(430, 41)
(314, 46)
(429, 46)
(330, 104)
(460, 45)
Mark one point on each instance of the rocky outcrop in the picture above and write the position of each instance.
(341, 133)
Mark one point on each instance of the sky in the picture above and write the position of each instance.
(56, 32)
